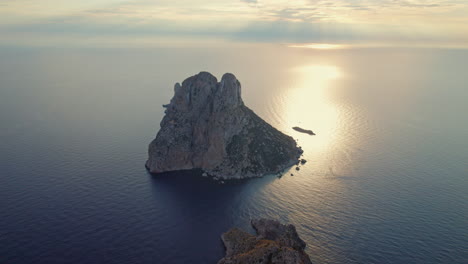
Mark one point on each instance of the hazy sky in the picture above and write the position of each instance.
(422, 22)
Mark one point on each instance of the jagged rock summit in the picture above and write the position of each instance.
(208, 127)
(275, 243)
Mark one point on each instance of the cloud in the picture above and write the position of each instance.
(292, 32)
(245, 20)
(416, 4)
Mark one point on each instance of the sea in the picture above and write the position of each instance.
(386, 178)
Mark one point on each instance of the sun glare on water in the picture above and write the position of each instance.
(308, 105)
(320, 46)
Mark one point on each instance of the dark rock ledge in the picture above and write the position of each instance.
(208, 127)
(275, 243)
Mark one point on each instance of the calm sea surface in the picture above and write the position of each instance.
(386, 179)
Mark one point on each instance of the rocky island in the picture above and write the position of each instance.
(207, 126)
(275, 243)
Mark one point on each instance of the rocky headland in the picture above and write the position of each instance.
(207, 126)
(275, 243)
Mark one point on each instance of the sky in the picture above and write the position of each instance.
(139, 22)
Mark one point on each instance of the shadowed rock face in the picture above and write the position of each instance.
(275, 243)
(208, 127)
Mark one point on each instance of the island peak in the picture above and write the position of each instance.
(207, 126)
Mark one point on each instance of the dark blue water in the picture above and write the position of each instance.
(386, 179)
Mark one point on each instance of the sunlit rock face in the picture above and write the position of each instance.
(208, 127)
(275, 243)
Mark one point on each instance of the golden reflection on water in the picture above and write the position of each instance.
(314, 194)
(320, 46)
(307, 104)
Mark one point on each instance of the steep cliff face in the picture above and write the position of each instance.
(208, 127)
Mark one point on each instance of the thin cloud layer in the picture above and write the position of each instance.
(246, 20)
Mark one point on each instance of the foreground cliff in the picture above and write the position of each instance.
(208, 127)
(275, 243)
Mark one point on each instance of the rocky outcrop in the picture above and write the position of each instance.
(208, 127)
(302, 130)
(275, 243)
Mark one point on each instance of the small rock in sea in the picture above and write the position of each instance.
(303, 161)
(222, 182)
(205, 174)
(306, 131)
